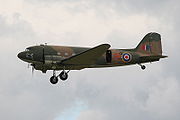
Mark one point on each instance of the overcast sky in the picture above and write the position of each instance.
(126, 93)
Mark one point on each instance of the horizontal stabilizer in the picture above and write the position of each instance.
(151, 58)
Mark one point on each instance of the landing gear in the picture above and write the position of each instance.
(63, 76)
(143, 67)
(54, 78)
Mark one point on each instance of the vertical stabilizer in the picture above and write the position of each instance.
(150, 44)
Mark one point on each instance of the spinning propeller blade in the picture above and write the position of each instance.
(32, 69)
(28, 65)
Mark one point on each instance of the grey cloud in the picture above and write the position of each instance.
(131, 97)
(153, 7)
(17, 28)
(21, 96)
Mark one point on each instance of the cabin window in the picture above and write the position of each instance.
(58, 53)
(108, 56)
(66, 54)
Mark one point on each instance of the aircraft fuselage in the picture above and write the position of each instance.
(46, 57)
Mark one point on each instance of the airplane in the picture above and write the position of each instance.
(66, 58)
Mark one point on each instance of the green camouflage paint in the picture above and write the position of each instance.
(46, 57)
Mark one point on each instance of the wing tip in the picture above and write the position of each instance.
(106, 44)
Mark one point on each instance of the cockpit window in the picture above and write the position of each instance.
(26, 49)
(29, 55)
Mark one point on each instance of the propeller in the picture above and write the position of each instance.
(32, 68)
(28, 66)
(43, 59)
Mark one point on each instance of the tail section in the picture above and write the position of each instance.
(150, 45)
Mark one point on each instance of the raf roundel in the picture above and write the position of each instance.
(126, 57)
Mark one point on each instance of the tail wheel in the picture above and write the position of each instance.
(54, 79)
(143, 67)
(63, 75)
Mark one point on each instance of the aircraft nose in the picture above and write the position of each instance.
(21, 55)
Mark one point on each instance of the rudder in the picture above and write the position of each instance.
(150, 44)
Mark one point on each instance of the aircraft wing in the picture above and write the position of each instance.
(87, 57)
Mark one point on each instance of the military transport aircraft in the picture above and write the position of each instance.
(46, 57)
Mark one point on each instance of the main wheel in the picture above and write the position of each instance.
(143, 67)
(63, 75)
(54, 79)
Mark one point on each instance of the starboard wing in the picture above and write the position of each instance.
(87, 57)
